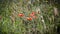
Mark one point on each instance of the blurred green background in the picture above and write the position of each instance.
(47, 22)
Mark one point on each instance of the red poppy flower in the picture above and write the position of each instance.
(21, 15)
(29, 18)
(32, 14)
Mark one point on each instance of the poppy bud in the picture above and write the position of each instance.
(29, 18)
(21, 15)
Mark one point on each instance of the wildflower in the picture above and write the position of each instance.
(21, 15)
(29, 18)
(32, 14)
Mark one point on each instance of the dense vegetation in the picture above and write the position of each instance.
(29, 17)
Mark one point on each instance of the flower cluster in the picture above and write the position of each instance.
(31, 16)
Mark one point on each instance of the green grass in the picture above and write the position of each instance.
(11, 23)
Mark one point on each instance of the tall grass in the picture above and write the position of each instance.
(12, 23)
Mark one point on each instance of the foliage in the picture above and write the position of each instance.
(16, 18)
